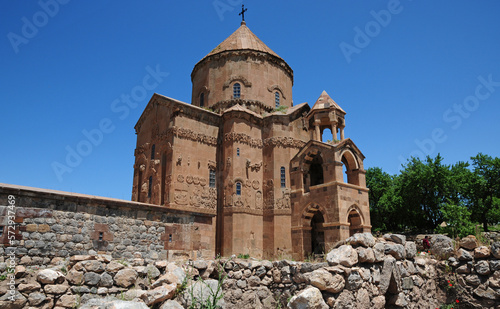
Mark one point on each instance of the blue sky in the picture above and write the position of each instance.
(415, 77)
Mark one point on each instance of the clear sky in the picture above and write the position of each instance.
(415, 77)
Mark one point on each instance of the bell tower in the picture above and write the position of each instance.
(326, 113)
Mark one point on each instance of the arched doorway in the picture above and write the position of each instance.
(317, 234)
(355, 224)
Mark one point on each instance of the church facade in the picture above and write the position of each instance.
(243, 153)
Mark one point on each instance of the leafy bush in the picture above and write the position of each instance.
(281, 108)
(457, 220)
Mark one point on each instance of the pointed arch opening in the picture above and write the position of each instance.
(350, 167)
(316, 171)
(202, 99)
(313, 219)
(313, 170)
(317, 234)
(327, 136)
(355, 221)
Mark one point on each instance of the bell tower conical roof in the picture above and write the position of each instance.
(326, 102)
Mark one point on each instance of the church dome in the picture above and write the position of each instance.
(243, 38)
(242, 67)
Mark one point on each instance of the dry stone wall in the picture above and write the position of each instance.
(363, 273)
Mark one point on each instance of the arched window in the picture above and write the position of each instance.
(153, 152)
(316, 171)
(277, 99)
(211, 178)
(283, 179)
(150, 185)
(236, 91)
(202, 99)
(237, 152)
(238, 188)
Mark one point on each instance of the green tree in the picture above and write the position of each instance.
(457, 218)
(419, 197)
(424, 188)
(381, 188)
(484, 190)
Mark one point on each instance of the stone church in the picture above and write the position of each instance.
(245, 154)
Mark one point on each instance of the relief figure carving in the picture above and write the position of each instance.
(181, 197)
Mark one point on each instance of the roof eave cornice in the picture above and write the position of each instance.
(238, 52)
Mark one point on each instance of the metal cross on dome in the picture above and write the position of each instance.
(242, 13)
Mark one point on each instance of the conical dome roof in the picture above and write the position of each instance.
(325, 101)
(242, 38)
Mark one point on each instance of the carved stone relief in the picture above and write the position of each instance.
(191, 135)
(144, 187)
(284, 202)
(181, 197)
(141, 149)
(276, 87)
(254, 167)
(233, 78)
(248, 199)
(279, 141)
(212, 165)
(238, 202)
(284, 142)
(243, 139)
(195, 194)
(269, 197)
(256, 184)
(251, 196)
(258, 200)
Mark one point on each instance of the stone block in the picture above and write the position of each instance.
(31, 228)
(43, 228)
(470, 242)
(308, 298)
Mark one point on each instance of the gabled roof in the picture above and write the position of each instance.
(292, 109)
(348, 143)
(239, 108)
(308, 145)
(242, 39)
(159, 98)
(345, 144)
(324, 102)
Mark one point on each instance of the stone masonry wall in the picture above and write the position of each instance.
(365, 273)
(47, 224)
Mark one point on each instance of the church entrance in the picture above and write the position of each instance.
(354, 220)
(317, 234)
